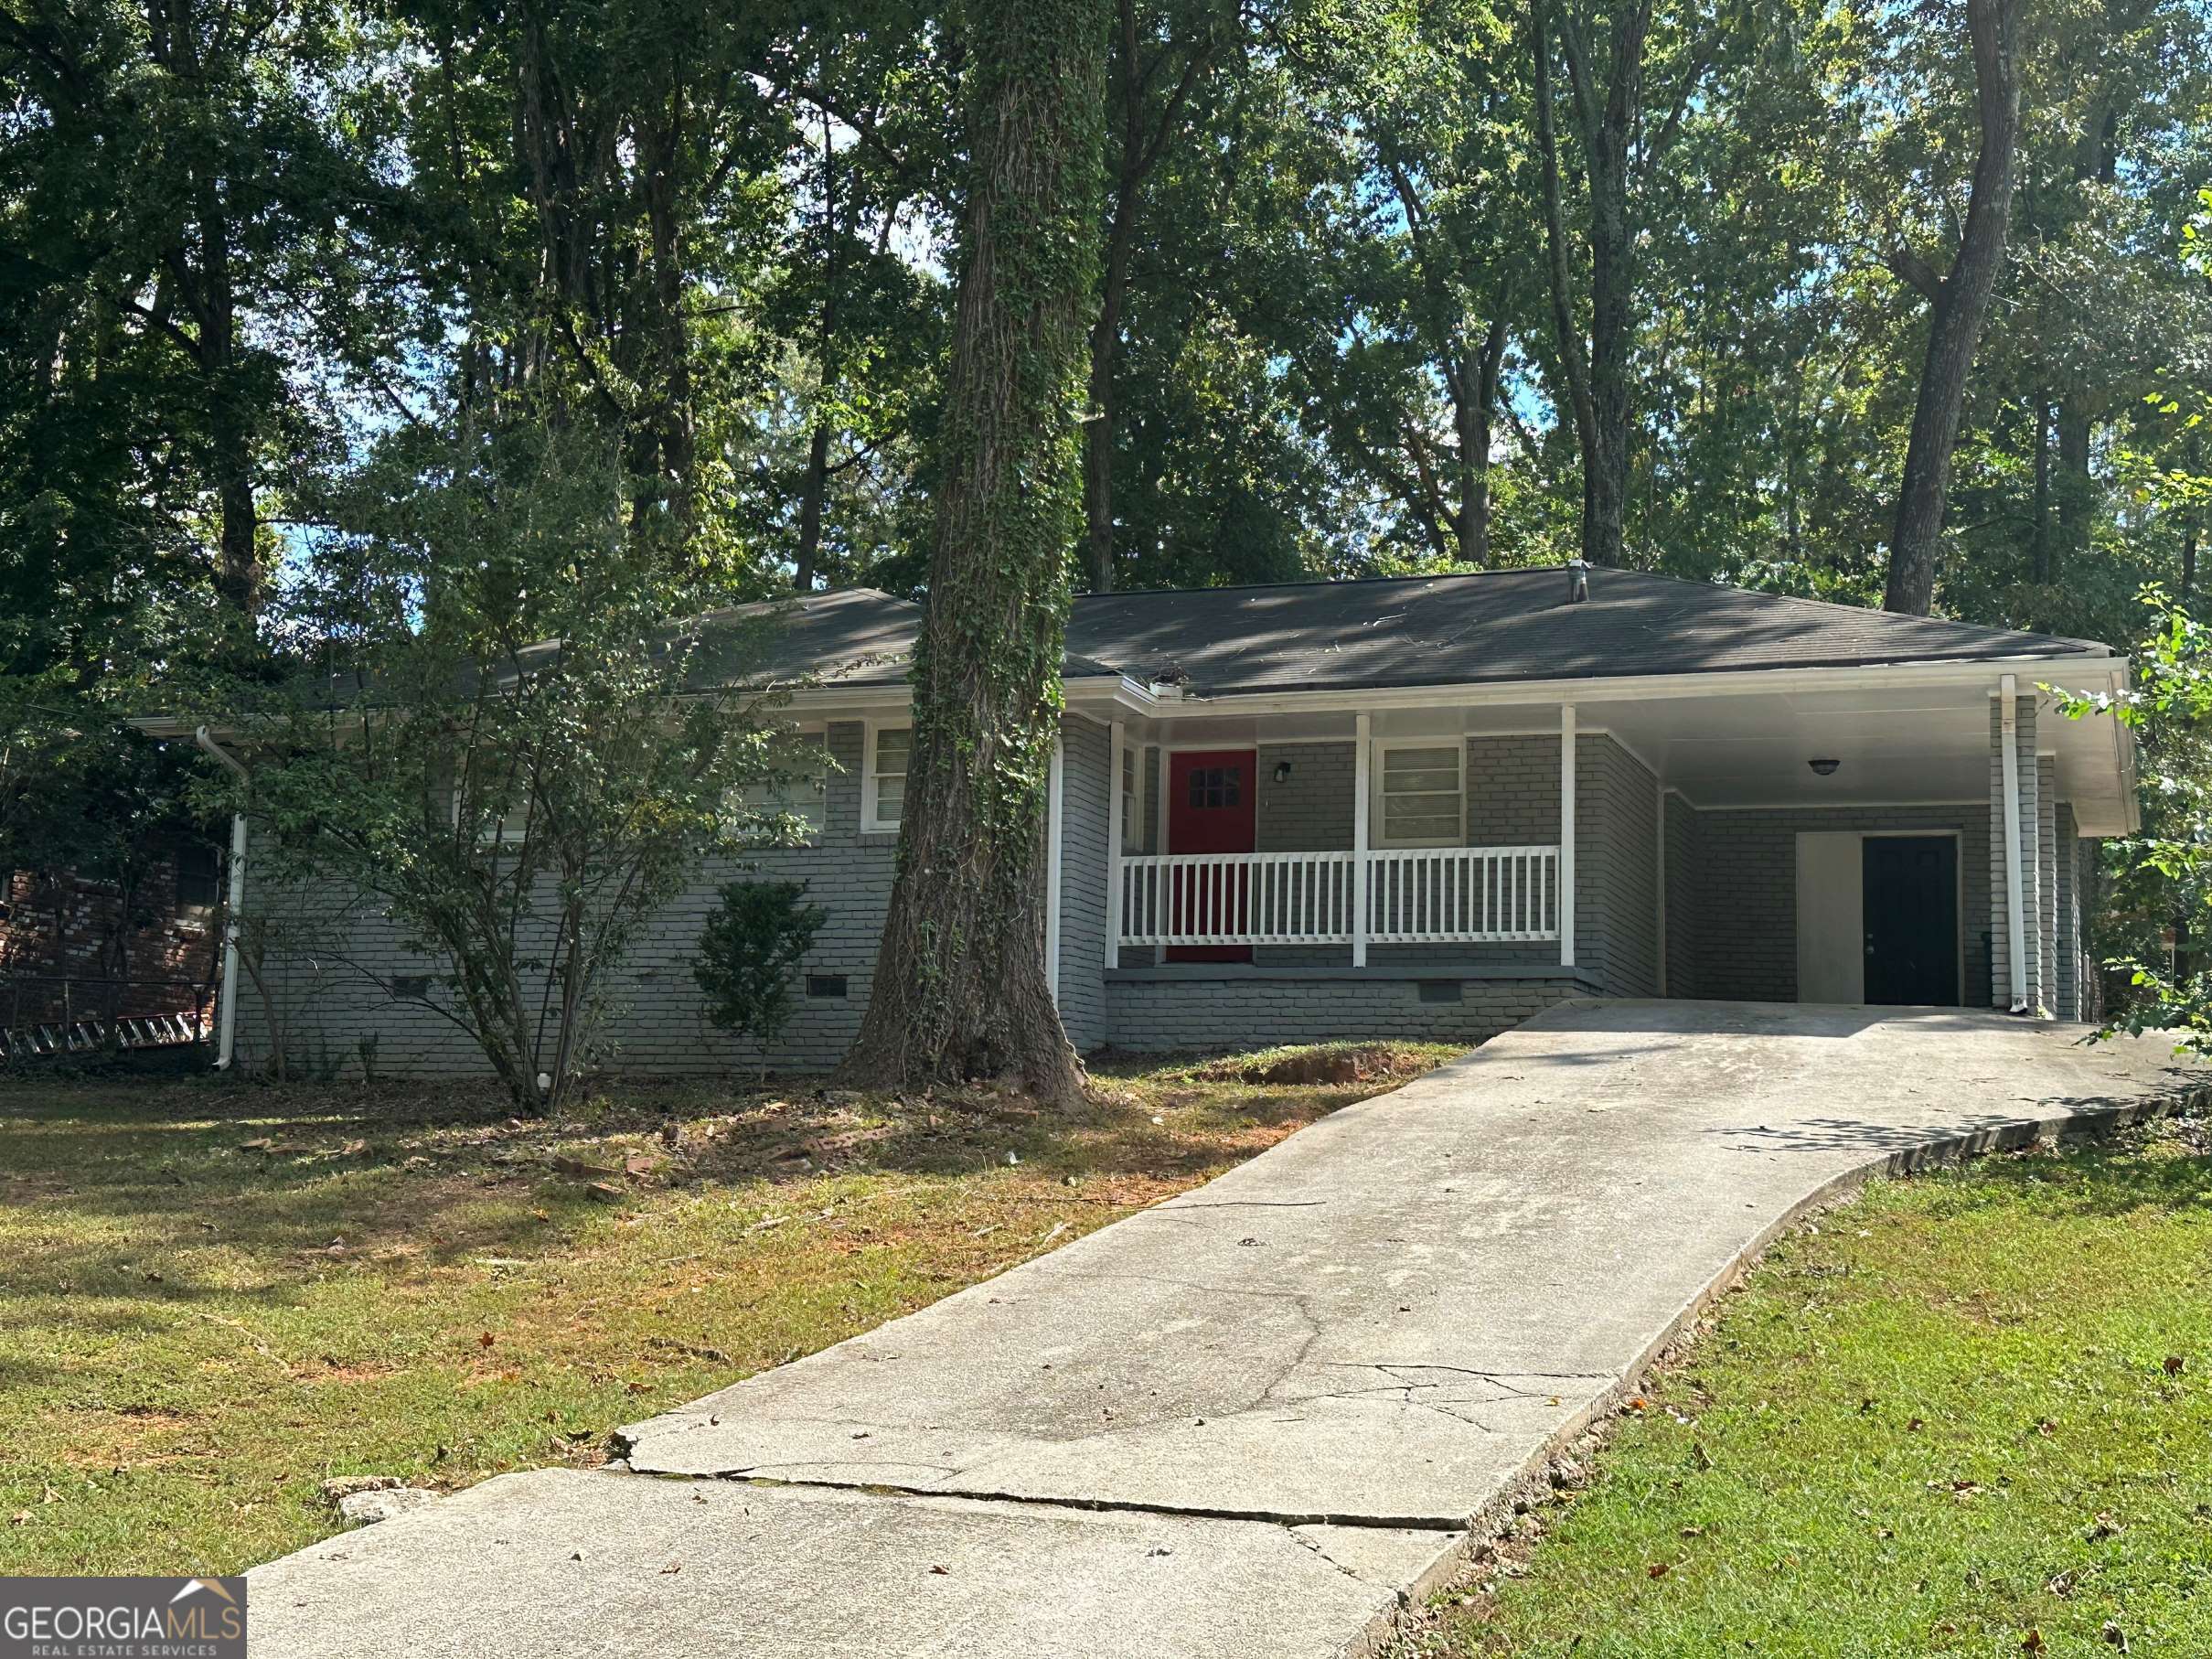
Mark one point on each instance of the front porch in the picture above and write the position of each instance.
(1405, 839)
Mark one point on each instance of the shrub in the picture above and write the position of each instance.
(751, 943)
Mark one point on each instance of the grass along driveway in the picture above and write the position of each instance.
(213, 1297)
(1968, 1413)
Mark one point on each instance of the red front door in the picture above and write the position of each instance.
(1212, 801)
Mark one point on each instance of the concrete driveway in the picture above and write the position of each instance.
(1251, 1420)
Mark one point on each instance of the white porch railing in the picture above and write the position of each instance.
(1416, 895)
(1237, 898)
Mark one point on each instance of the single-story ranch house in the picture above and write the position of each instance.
(1428, 806)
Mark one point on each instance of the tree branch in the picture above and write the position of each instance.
(1909, 268)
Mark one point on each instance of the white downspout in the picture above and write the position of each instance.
(226, 1017)
(2015, 923)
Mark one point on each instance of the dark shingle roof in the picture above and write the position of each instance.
(1394, 631)
(855, 636)
(1486, 627)
(1505, 626)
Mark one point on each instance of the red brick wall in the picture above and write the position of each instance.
(127, 954)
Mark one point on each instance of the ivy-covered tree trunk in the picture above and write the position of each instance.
(959, 987)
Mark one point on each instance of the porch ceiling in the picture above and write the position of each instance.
(1901, 744)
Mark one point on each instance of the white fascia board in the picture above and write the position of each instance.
(1635, 688)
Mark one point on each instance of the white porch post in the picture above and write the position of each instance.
(1113, 895)
(1362, 748)
(1567, 835)
(2016, 930)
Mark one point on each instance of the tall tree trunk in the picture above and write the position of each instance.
(1476, 408)
(239, 578)
(1961, 303)
(959, 987)
(1604, 398)
(674, 420)
(813, 490)
(1139, 148)
(1106, 345)
(203, 280)
(2075, 488)
(1574, 360)
(2040, 538)
(1605, 475)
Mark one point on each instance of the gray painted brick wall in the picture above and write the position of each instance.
(1513, 791)
(1309, 811)
(1616, 867)
(1685, 911)
(330, 965)
(1252, 1009)
(329, 984)
(328, 979)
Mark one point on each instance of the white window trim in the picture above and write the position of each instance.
(1378, 818)
(868, 776)
(1133, 823)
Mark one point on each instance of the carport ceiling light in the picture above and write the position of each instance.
(1824, 768)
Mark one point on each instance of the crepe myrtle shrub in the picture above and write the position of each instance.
(500, 752)
(753, 941)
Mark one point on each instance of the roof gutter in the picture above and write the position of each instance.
(226, 1019)
(1641, 688)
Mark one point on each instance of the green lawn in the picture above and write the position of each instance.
(212, 1297)
(1968, 1413)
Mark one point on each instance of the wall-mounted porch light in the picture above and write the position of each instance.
(1824, 768)
(1282, 771)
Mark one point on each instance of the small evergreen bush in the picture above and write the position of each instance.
(755, 937)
